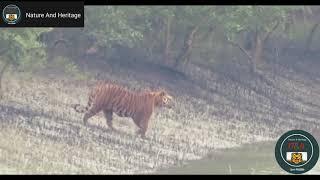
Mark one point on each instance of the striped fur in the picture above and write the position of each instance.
(112, 98)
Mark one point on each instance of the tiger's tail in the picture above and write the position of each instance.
(79, 108)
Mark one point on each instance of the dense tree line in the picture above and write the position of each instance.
(173, 36)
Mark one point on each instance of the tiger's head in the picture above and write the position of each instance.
(296, 158)
(162, 98)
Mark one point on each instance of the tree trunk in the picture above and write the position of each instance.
(259, 45)
(310, 37)
(255, 54)
(208, 34)
(258, 50)
(166, 55)
(5, 66)
(290, 21)
(186, 50)
(306, 13)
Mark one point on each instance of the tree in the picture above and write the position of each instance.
(20, 48)
(170, 25)
(310, 37)
(116, 25)
(260, 21)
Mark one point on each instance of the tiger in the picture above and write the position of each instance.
(111, 98)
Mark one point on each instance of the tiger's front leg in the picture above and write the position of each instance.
(141, 133)
(108, 116)
(142, 120)
(143, 127)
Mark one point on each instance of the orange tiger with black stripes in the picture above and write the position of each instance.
(110, 98)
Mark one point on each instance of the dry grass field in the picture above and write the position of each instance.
(41, 134)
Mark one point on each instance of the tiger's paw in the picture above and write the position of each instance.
(144, 137)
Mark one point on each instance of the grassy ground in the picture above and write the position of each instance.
(256, 158)
(41, 134)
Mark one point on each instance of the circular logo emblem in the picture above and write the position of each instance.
(11, 14)
(297, 151)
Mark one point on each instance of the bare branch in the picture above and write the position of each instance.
(310, 37)
(5, 66)
(241, 48)
(271, 31)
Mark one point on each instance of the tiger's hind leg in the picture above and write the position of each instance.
(93, 111)
(108, 116)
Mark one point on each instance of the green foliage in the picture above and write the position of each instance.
(235, 19)
(22, 48)
(63, 65)
(144, 29)
(116, 25)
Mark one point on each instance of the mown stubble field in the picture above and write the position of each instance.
(41, 134)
